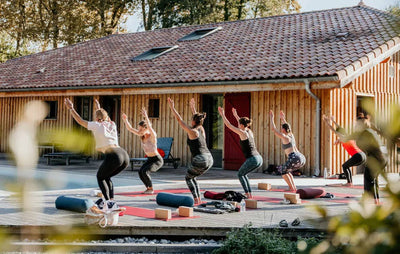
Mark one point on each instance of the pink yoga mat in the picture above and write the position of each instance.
(272, 200)
(141, 194)
(343, 186)
(150, 213)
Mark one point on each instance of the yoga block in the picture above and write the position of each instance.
(79, 205)
(163, 213)
(294, 198)
(174, 200)
(235, 204)
(308, 193)
(185, 211)
(264, 186)
(251, 203)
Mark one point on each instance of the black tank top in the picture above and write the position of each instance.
(198, 145)
(248, 147)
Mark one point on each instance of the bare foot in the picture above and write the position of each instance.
(348, 184)
(148, 191)
(249, 195)
(377, 202)
(197, 201)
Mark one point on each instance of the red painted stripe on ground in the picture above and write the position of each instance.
(150, 213)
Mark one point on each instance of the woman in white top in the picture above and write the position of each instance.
(106, 137)
(149, 143)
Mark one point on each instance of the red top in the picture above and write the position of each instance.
(351, 147)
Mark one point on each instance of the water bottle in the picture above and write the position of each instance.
(242, 206)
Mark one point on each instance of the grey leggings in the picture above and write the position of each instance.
(116, 159)
(249, 165)
(200, 164)
(151, 165)
(295, 161)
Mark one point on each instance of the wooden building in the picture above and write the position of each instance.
(306, 64)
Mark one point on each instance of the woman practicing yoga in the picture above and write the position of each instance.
(357, 158)
(202, 159)
(368, 141)
(149, 143)
(106, 137)
(295, 159)
(253, 158)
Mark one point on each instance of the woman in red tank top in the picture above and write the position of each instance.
(357, 158)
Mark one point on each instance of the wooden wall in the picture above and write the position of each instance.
(12, 109)
(386, 92)
(299, 108)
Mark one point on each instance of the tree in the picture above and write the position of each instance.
(170, 13)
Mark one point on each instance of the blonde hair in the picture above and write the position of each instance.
(101, 114)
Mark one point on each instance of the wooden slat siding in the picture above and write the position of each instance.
(299, 108)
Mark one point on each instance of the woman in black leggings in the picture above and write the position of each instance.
(202, 159)
(149, 143)
(116, 158)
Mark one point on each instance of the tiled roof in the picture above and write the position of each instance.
(287, 46)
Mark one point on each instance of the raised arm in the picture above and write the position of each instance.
(149, 126)
(282, 117)
(236, 130)
(235, 114)
(193, 106)
(273, 127)
(96, 105)
(192, 133)
(128, 125)
(333, 120)
(74, 114)
(331, 127)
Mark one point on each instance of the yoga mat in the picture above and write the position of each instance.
(141, 194)
(150, 213)
(272, 200)
(343, 186)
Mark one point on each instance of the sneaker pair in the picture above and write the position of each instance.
(110, 204)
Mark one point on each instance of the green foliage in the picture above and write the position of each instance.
(8, 51)
(257, 240)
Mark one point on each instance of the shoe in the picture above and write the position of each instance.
(148, 191)
(112, 205)
(100, 203)
(283, 224)
(296, 222)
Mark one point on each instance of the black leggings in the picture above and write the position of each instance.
(151, 165)
(116, 160)
(372, 170)
(355, 160)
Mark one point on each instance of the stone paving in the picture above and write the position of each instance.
(42, 210)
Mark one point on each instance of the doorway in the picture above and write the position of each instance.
(112, 104)
(214, 126)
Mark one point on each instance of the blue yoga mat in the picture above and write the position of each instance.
(73, 204)
(174, 200)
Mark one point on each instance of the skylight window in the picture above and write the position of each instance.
(153, 53)
(198, 34)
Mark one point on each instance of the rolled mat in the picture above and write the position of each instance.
(214, 195)
(174, 200)
(309, 193)
(73, 204)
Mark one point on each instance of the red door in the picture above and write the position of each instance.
(233, 156)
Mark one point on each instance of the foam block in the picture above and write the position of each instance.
(264, 186)
(308, 193)
(79, 205)
(251, 203)
(294, 198)
(185, 211)
(163, 213)
(174, 200)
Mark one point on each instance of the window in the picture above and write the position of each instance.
(153, 53)
(154, 108)
(365, 106)
(198, 34)
(53, 106)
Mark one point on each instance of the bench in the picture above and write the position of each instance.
(164, 144)
(67, 156)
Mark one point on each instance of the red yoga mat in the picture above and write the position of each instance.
(344, 186)
(141, 194)
(150, 213)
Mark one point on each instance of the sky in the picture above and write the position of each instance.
(133, 22)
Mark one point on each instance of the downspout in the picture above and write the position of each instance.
(317, 124)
